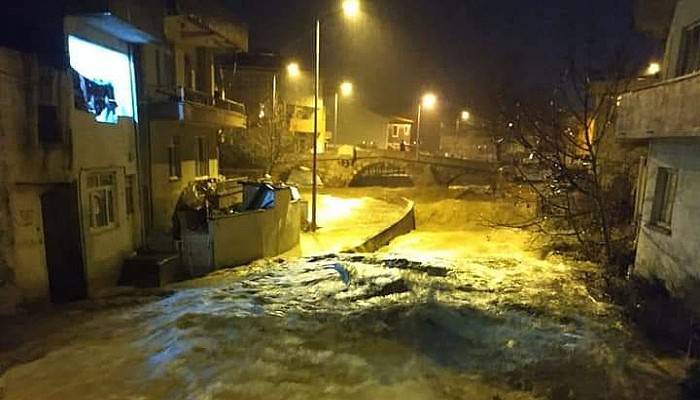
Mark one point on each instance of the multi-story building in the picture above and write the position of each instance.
(188, 113)
(69, 185)
(664, 116)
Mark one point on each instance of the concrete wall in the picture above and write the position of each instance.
(673, 257)
(239, 239)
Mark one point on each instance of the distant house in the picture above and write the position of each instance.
(665, 117)
(399, 130)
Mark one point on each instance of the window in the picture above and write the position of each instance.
(689, 57)
(101, 188)
(664, 197)
(174, 162)
(102, 80)
(395, 131)
(49, 129)
(129, 193)
(202, 160)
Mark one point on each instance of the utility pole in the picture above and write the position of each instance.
(314, 185)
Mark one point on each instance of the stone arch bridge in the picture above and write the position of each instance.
(386, 168)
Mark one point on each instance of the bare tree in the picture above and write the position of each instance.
(564, 169)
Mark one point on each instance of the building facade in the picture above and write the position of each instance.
(399, 130)
(664, 116)
(70, 185)
(188, 113)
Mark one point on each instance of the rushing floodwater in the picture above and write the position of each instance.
(461, 322)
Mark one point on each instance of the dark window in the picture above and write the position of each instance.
(202, 161)
(664, 197)
(158, 71)
(689, 58)
(49, 130)
(174, 162)
(129, 192)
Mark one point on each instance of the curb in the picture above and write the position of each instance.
(406, 224)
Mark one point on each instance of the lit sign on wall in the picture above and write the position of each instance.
(102, 80)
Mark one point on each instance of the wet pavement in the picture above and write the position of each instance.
(441, 313)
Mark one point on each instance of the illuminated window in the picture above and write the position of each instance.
(100, 191)
(174, 161)
(102, 80)
(664, 197)
(689, 58)
(202, 159)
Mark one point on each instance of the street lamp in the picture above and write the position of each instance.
(429, 101)
(351, 9)
(653, 69)
(346, 90)
(293, 70)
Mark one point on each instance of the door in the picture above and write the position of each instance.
(64, 255)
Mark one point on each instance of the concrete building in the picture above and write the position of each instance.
(69, 183)
(665, 117)
(189, 112)
(398, 130)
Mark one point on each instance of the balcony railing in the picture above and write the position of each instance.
(188, 104)
(668, 109)
(185, 95)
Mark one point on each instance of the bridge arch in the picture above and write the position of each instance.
(382, 173)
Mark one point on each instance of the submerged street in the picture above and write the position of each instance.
(454, 310)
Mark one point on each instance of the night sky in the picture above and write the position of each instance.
(474, 53)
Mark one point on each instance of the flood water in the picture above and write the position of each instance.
(442, 313)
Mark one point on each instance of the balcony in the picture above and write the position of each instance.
(129, 20)
(195, 31)
(192, 106)
(665, 110)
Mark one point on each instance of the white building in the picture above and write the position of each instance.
(666, 117)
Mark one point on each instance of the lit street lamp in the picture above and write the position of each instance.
(346, 90)
(463, 117)
(429, 101)
(293, 70)
(351, 9)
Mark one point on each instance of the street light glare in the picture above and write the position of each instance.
(465, 116)
(293, 70)
(351, 8)
(346, 89)
(653, 68)
(429, 101)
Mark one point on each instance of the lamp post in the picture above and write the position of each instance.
(428, 102)
(346, 90)
(351, 8)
